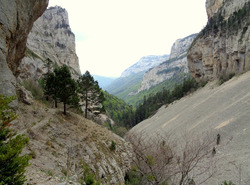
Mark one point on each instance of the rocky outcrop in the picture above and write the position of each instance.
(222, 48)
(212, 7)
(144, 64)
(177, 63)
(50, 42)
(16, 20)
(69, 148)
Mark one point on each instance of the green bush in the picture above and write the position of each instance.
(35, 88)
(228, 183)
(113, 146)
(88, 177)
(12, 163)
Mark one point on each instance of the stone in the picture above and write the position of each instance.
(16, 20)
(177, 62)
(24, 95)
(144, 64)
(50, 42)
(222, 49)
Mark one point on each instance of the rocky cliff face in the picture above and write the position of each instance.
(144, 64)
(50, 42)
(223, 46)
(16, 20)
(176, 63)
(65, 149)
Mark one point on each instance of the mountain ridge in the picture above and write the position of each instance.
(145, 63)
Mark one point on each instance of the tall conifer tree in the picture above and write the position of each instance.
(90, 93)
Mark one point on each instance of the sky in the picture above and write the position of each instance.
(112, 35)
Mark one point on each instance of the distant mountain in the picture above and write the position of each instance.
(104, 81)
(130, 80)
(144, 64)
(123, 87)
(152, 73)
(177, 63)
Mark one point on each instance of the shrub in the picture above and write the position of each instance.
(88, 177)
(35, 88)
(12, 163)
(113, 146)
(227, 183)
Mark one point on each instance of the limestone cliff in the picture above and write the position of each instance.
(50, 41)
(176, 63)
(223, 46)
(144, 64)
(16, 20)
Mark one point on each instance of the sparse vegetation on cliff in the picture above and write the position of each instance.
(238, 20)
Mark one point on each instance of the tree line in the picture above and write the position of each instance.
(60, 86)
(128, 116)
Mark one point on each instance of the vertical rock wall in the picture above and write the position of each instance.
(16, 20)
(222, 48)
(50, 40)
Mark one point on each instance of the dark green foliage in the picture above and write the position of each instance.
(126, 117)
(88, 177)
(67, 87)
(228, 183)
(132, 178)
(50, 86)
(12, 163)
(169, 84)
(217, 24)
(113, 146)
(151, 104)
(122, 87)
(118, 110)
(60, 86)
(91, 94)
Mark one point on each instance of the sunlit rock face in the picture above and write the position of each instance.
(50, 42)
(222, 48)
(176, 63)
(16, 20)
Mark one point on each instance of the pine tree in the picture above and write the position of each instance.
(66, 87)
(90, 93)
(60, 86)
(12, 163)
(50, 86)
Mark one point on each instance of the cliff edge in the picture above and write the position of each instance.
(223, 46)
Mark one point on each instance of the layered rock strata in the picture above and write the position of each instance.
(222, 48)
(50, 42)
(176, 63)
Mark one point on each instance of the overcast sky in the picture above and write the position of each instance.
(112, 35)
